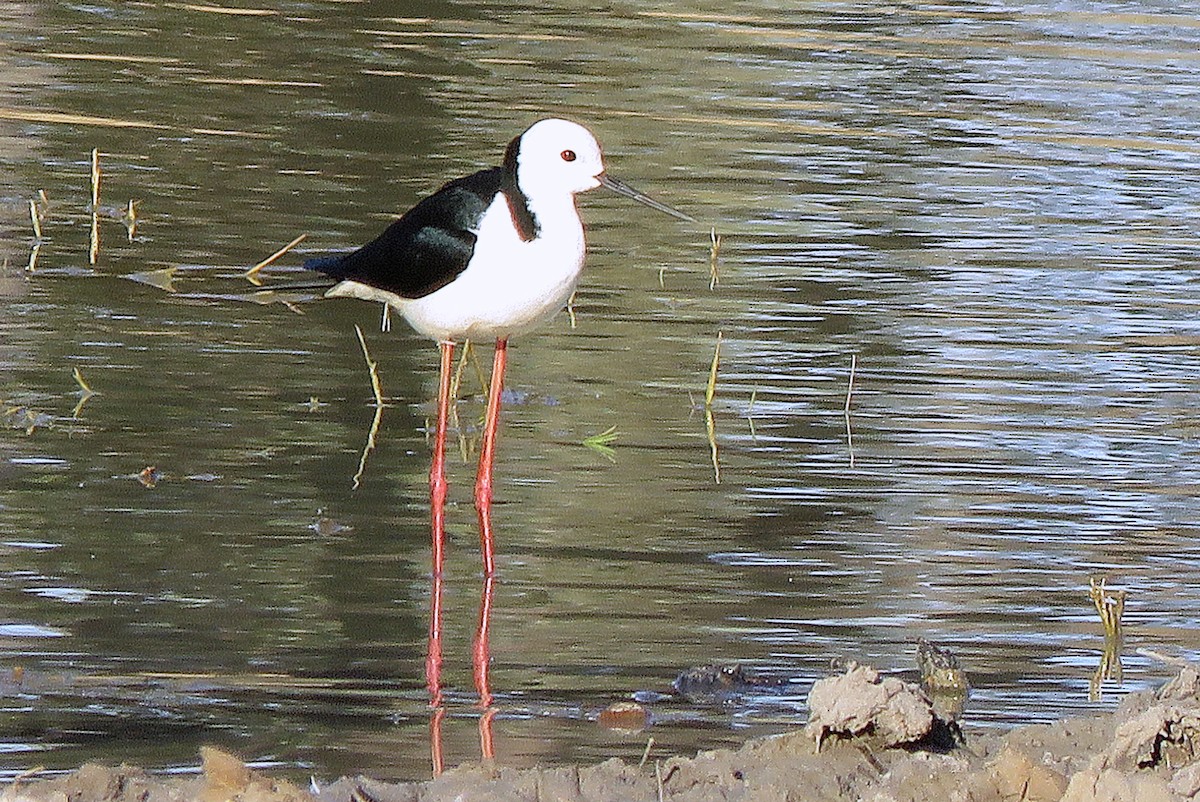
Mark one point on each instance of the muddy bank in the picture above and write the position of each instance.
(869, 738)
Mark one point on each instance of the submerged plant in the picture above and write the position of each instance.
(602, 443)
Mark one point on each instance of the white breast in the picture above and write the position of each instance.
(509, 286)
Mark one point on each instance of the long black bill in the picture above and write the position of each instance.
(621, 188)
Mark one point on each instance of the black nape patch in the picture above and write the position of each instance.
(518, 204)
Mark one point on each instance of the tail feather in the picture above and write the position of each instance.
(332, 265)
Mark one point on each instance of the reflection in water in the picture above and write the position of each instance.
(987, 210)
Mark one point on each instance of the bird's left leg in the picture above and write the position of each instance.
(487, 458)
(437, 505)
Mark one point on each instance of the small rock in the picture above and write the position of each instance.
(629, 716)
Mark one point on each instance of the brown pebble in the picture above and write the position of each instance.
(624, 716)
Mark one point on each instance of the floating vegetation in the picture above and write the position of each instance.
(251, 275)
(63, 118)
(326, 526)
(215, 9)
(22, 417)
(290, 300)
(149, 477)
(163, 278)
(571, 308)
(602, 443)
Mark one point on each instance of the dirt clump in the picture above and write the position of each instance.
(863, 703)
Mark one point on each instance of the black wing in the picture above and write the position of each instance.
(427, 247)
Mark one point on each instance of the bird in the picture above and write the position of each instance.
(487, 256)
(490, 255)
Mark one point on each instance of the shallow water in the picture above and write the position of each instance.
(990, 211)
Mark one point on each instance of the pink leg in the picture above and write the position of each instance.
(487, 457)
(437, 504)
(437, 470)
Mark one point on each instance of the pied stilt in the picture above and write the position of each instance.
(490, 255)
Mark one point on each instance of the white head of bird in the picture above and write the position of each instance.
(556, 157)
(559, 157)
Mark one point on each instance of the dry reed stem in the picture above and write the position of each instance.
(377, 389)
(646, 752)
(372, 368)
(456, 381)
(372, 433)
(711, 389)
(1109, 604)
(714, 254)
(94, 234)
(846, 407)
(251, 275)
(85, 392)
(710, 423)
(94, 240)
(130, 218)
(36, 219)
(95, 179)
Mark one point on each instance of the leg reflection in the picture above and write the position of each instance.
(433, 675)
(481, 664)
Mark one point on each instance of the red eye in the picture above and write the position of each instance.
(568, 155)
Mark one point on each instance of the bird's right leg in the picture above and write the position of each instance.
(437, 505)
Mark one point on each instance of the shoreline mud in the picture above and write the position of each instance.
(869, 738)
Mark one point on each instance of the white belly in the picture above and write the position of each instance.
(509, 286)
